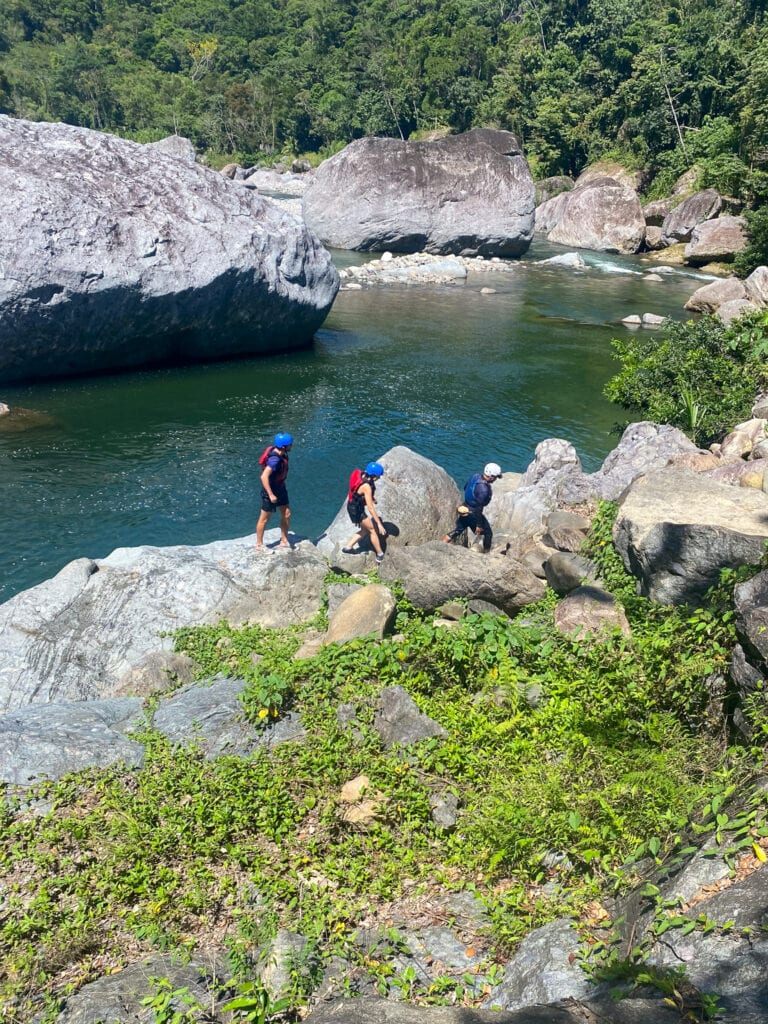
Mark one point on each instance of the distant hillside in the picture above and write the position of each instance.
(657, 83)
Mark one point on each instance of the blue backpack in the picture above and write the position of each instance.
(469, 489)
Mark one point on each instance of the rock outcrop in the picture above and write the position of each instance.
(716, 240)
(676, 530)
(464, 194)
(84, 633)
(599, 213)
(679, 223)
(710, 297)
(115, 254)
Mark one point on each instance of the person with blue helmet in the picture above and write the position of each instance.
(274, 493)
(361, 509)
(477, 494)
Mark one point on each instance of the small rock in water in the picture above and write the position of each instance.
(653, 277)
(354, 286)
(652, 320)
(487, 291)
(4, 409)
(566, 259)
(632, 321)
(386, 257)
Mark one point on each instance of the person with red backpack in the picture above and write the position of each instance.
(361, 510)
(274, 494)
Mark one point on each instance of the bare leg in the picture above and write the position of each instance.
(368, 526)
(260, 527)
(354, 540)
(285, 519)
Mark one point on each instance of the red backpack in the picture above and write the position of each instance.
(355, 479)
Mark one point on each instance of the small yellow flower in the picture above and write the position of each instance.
(263, 712)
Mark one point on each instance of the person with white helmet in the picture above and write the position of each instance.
(477, 494)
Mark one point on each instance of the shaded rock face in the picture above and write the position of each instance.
(656, 211)
(82, 634)
(598, 214)
(676, 530)
(469, 194)
(679, 223)
(116, 254)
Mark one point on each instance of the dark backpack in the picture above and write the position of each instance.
(469, 489)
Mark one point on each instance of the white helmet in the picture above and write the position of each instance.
(492, 469)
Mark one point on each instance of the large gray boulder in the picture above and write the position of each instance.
(469, 194)
(710, 297)
(117, 254)
(82, 634)
(676, 530)
(718, 239)
(434, 573)
(416, 500)
(679, 223)
(600, 213)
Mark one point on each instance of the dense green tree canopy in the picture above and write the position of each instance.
(660, 83)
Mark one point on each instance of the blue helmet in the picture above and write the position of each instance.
(283, 440)
(374, 469)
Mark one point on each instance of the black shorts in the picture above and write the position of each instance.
(280, 492)
(356, 511)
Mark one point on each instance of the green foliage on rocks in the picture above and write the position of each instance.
(565, 754)
(700, 376)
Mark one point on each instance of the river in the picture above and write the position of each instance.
(170, 456)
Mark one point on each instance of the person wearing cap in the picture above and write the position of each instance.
(477, 494)
(274, 493)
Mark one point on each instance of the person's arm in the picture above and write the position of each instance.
(369, 500)
(265, 476)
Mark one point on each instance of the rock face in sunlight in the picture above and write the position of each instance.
(115, 254)
(469, 194)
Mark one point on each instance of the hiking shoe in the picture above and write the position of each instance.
(379, 559)
(351, 551)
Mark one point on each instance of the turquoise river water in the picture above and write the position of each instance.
(169, 456)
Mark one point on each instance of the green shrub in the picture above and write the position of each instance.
(700, 376)
(756, 252)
